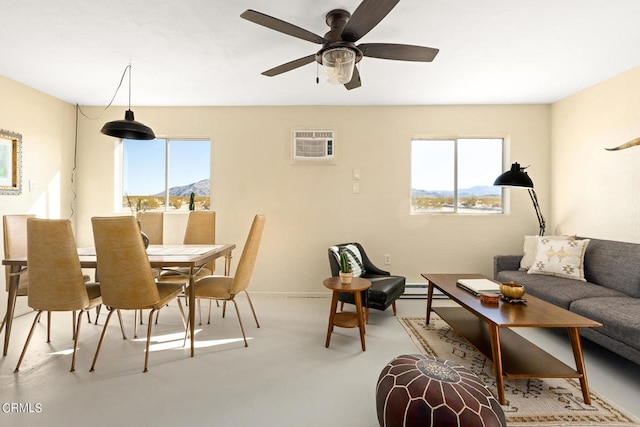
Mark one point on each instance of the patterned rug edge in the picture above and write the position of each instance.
(628, 420)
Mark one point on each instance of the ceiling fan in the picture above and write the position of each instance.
(339, 53)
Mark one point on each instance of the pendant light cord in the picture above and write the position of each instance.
(75, 148)
(128, 67)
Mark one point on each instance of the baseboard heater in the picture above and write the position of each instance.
(419, 291)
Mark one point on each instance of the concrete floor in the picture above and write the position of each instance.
(286, 377)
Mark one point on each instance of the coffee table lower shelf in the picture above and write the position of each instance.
(520, 357)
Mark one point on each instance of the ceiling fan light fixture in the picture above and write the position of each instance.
(338, 64)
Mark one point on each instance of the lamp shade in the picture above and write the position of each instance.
(338, 64)
(515, 177)
(128, 128)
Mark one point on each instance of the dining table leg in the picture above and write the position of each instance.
(227, 264)
(14, 281)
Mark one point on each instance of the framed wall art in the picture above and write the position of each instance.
(10, 162)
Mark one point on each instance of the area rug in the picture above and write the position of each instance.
(530, 402)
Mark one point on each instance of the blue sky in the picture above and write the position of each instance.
(144, 164)
(479, 163)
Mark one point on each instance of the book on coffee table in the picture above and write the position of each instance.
(477, 286)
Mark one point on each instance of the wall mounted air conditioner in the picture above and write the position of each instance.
(313, 147)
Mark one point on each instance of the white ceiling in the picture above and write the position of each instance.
(200, 52)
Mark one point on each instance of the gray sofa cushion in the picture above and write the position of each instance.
(620, 317)
(613, 265)
(557, 290)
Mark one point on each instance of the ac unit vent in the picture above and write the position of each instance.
(313, 146)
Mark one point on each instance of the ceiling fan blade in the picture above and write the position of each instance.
(290, 66)
(355, 81)
(398, 52)
(281, 26)
(368, 14)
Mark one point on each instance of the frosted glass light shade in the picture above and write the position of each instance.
(338, 64)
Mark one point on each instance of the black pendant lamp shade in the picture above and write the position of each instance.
(128, 128)
(515, 177)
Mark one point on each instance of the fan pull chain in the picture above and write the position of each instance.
(317, 75)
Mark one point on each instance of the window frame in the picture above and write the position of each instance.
(456, 208)
(120, 205)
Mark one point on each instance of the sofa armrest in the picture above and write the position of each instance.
(505, 262)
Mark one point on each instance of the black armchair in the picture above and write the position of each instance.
(384, 291)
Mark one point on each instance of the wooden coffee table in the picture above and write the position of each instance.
(486, 327)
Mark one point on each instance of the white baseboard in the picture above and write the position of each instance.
(412, 290)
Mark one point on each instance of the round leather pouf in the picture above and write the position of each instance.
(422, 390)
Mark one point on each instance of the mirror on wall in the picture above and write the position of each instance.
(10, 162)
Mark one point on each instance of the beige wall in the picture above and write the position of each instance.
(47, 126)
(309, 208)
(596, 193)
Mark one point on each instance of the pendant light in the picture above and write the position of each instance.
(128, 128)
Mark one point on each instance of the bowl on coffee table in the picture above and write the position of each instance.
(512, 290)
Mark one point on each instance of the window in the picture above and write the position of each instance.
(456, 175)
(161, 174)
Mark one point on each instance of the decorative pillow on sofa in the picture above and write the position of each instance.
(560, 257)
(531, 246)
(354, 256)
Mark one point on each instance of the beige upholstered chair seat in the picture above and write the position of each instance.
(215, 287)
(166, 293)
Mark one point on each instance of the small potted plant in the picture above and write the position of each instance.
(345, 271)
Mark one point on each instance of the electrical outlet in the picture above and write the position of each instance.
(387, 259)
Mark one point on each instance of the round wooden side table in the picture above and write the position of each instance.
(346, 319)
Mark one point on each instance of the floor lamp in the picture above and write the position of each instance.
(518, 177)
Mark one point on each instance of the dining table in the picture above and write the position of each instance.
(193, 257)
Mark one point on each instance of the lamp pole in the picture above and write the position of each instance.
(536, 206)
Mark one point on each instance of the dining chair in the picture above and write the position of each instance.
(56, 282)
(14, 229)
(15, 245)
(200, 230)
(225, 288)
(152, 224)
(126, 279)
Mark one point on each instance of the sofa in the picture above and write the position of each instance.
(609, 292)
